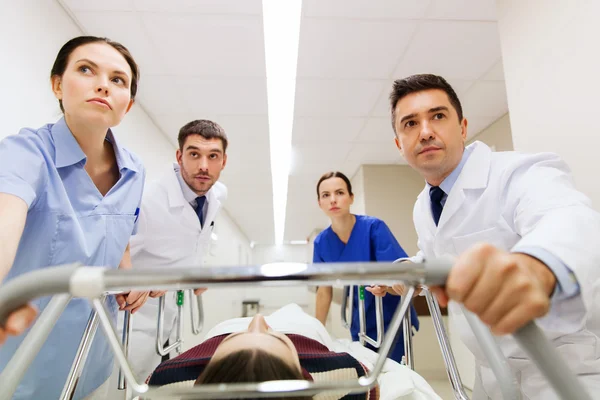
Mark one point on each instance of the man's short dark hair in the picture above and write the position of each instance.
(205, 128)
(418, 83)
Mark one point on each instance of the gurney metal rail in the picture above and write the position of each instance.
(509, 390)
(93, 282)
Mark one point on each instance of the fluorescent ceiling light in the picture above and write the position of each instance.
(298, 241)
(281, 22)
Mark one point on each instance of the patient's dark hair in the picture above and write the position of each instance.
(250, 365)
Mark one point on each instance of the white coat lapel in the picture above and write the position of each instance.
(215, 196)
(474, 175)
(178, 205)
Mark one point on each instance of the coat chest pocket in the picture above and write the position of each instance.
(494, 236)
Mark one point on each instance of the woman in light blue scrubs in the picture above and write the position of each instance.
(69, 192)
(355, 238)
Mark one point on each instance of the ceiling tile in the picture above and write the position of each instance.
(335, 98)
(251, 7)
(170, 124)
(479, 10)
(365, 9)
(161, 95)
(322, 151)
(477, 125)
(94, 5)
(311, 129)
(187, 44)
(374, 153)
(253, 163)
(377, 129)
(126, 28)
(496, 73)
(225, 96)
(467, 51)
(316, 169)
(485, 99)
(245, 130)
(351, 48)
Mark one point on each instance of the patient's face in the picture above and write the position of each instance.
(259, 336)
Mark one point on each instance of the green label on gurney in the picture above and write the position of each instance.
(180, 297)
(361, 292)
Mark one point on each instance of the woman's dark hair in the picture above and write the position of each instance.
(418, 83)
(62, 59)
(205, 128)
(250, 365)
(334, 174)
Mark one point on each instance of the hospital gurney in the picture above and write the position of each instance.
(94, 282)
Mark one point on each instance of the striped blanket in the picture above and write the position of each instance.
(317, 362)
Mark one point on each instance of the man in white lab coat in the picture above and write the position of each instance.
(174, 229)
(524, 240)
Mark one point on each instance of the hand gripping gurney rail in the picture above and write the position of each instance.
(93, 283)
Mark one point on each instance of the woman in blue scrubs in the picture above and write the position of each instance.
(355, 238)
(69, 192)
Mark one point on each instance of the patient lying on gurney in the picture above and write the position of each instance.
(288, 344)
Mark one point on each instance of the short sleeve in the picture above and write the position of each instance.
(316, 254)
(385, 244)
(22, 171)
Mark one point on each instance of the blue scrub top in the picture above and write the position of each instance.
(370, 240)
(68, 221)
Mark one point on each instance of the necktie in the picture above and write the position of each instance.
(200, 205)
(436, 194)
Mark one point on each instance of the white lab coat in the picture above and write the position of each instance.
(514, 200)
(169, 235)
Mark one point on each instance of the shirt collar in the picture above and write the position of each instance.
(450, 180)
(68, 151)
(124, 159)
(188, 194)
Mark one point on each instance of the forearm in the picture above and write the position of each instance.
(126, 260)
(324, 296)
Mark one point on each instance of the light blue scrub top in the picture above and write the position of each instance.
(68, 221)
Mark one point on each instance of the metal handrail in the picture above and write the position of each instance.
(197, 318)
(362, 335)
(122, 383)
(408, 343)
(440, 331)
(197, 322)
(81, 356)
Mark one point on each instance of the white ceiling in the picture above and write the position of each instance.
(206, 59)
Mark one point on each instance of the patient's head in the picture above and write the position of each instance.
(255, 355)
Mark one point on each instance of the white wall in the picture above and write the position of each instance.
(551, 63)
(498, 135)
(358, 188)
